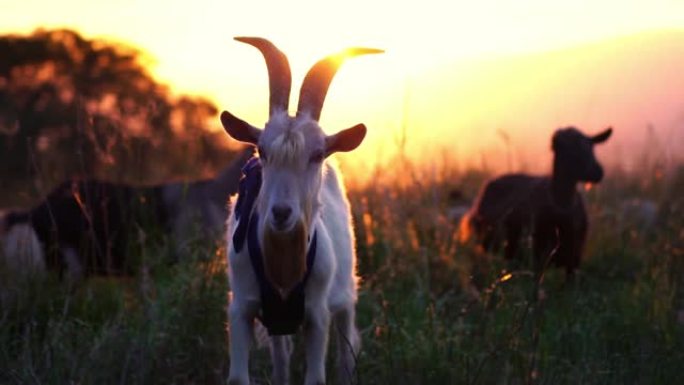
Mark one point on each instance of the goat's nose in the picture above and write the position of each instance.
(281, 213)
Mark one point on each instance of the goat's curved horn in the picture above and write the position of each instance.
(317, 80)
(279, 75)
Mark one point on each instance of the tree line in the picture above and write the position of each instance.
(72, 107)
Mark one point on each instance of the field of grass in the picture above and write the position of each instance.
(430, 311)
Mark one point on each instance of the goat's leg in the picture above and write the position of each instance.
(545, 240)
(348, 343)
(316, 340)
(580, 227)
(281, 349)
(567, 253)
(571, 244)
(513, 233)
(488, 240)
(241, 330)
(75, 269)
(577, 250)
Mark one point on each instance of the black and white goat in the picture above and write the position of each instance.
(88, 226)
(290, 239)
(548, 206)
(85, 226)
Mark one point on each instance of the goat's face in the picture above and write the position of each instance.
(574, 154)
(292, 152)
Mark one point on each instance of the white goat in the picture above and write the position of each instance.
(303, 216)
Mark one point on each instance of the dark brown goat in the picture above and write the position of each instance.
(547, 206)
(88, 225)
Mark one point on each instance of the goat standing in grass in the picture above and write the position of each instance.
(290, 241)
(88, 226)
(549, 206)
(85, 226)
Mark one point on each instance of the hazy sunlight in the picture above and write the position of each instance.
(450, 67)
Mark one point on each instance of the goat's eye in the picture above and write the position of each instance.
(316, 157)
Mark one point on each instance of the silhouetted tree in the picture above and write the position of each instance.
(70, 106)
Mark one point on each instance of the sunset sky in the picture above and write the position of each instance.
(432, 47)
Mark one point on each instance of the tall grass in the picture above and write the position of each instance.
(430, 311)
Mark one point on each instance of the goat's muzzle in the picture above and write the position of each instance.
(595, 175)
(284, 255)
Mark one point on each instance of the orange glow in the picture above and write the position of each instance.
(368, 229)
(454, 75)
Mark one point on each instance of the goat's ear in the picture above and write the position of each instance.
(345, 140)
(602, 137)
(238, 129)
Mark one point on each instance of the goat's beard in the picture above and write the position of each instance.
(285, 257)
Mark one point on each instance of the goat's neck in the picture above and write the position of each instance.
(563, 188)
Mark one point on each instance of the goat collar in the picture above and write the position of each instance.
(279, 316)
